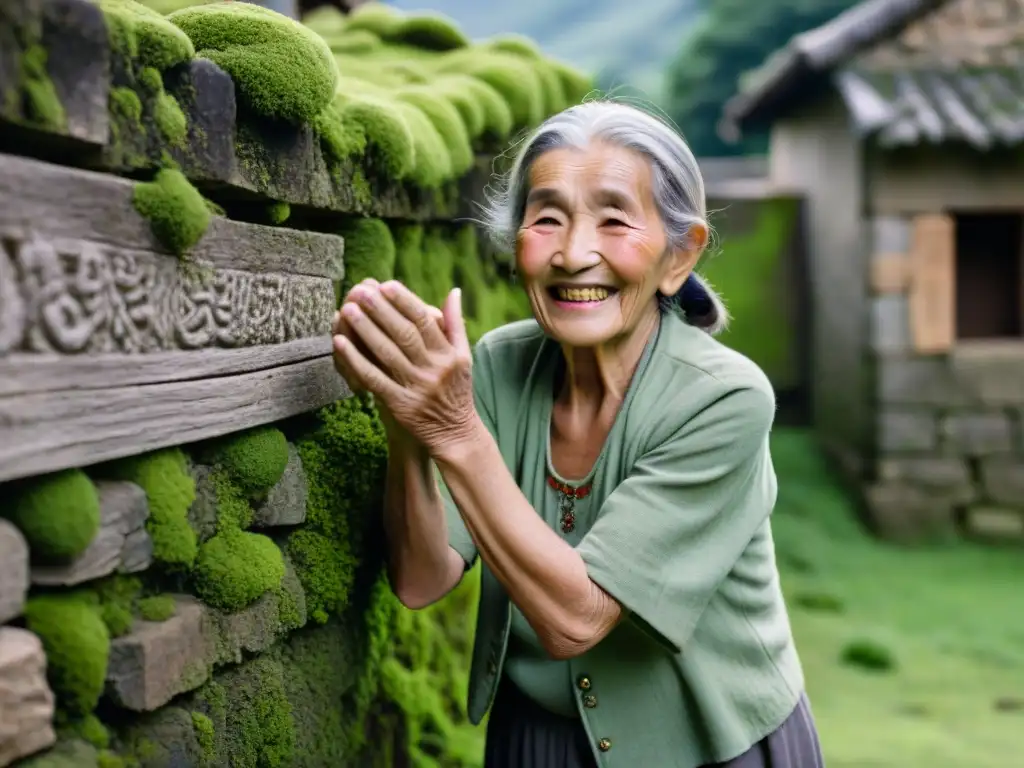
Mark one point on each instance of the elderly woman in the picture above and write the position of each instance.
(608, 461)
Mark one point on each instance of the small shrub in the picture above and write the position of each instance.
(868, 654)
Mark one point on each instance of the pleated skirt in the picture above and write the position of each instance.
(521, 734)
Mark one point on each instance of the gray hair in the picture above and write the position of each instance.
(678, 188)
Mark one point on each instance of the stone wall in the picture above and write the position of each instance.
(948, 439)
(190, 545)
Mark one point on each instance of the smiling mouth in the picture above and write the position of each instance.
(590, 294)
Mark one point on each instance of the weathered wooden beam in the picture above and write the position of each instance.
(54, 430)
(110, 346)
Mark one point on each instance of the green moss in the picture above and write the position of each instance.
(142, 35)
(125, 102)
(164, 476)
(90, 730)
(214, 208)
(254, 460)
(115, 600)
(449, 124)
(327, 549)
(409, 257)
(431, 32)
(515, 78)
(157, 607)
(380, 19)
(251, 717)
(868, 655)
(234, 512)
(359, 41)
(77, 645)
(108, 759)
(204, 735)
(151, 79)
(170, 120)
(175, 210)
(278, 212)
(58, 514)
(438, 266)
(369, 251)
(43, 105)
(236, 567)
(281, 69)
(386, 134)
(433, 161)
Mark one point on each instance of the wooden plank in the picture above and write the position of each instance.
(890, 273)
(48, 431)
(76, 296)
(24, 373)
(72, 204)
(933, 283)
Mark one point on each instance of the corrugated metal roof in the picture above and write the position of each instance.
(983, 108)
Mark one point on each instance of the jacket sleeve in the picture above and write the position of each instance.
(668, 535)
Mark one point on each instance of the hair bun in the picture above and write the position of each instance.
(701, 306)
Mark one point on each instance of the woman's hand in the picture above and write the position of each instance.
(418, 371)
(339, 326)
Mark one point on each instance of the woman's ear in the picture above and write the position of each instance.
(681, 261)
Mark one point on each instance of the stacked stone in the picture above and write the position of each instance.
(948, 440)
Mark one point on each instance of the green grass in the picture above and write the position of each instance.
(952, 619)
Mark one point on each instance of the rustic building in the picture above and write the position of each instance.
(902, 122)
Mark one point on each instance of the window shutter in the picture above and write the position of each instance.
(933, 283)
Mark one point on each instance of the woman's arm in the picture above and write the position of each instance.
(543, 574)
(422, 566)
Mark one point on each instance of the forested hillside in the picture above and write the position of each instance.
(730, 38)
(624, 43)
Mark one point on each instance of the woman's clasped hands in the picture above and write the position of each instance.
(414, 359)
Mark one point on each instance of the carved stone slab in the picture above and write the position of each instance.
(122, 543)
(109, 346)
(26, 701)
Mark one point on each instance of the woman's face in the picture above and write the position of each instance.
(591, 251)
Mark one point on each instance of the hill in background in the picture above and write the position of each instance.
(625, 42)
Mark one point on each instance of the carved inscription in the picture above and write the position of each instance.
(75, 297)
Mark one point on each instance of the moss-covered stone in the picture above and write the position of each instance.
(278, 213)
(254, 460)
(250, 716)
(170, 489)
(448, 122)
(327, 549)
(369, 252)
(204, 735)
(58, 514)
(281, 68)
(175, 210)
(90, 729)
(156, 607)
(77, 645)
(115, 599)
(142, 35)
(235, 568)
(42, 104)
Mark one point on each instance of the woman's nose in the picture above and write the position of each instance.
(580, 251)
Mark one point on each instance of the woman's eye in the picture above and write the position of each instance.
(547, 221)
(615, 223)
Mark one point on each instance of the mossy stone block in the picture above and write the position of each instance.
(281, 69)
(55, 70)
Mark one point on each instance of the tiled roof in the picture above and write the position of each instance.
(789, 74)
(983, 108)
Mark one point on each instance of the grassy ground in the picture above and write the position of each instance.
(951, 620)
